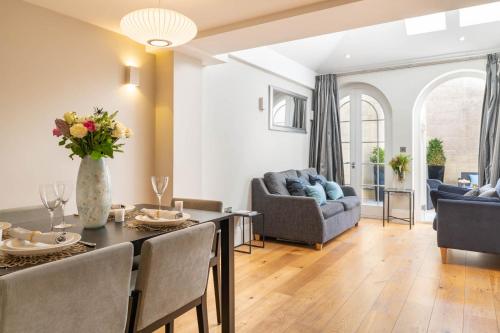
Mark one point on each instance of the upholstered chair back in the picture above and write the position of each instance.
(173, 272)
(85, 293)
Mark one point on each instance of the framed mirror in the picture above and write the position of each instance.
(287, 110)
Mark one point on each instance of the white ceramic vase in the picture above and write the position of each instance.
(93, 193)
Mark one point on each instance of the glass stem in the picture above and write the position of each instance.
(63, 222)
(51, 214)
(159, 203)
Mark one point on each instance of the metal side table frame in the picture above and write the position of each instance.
(387, 206)
(250, 243)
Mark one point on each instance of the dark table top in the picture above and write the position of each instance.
(113, 232)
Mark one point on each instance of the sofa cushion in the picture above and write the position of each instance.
(276, 181)
(331, 208)
(317, 192)
(296, 186)
(349, 202)
(498, 188)
(491, 193)
(333, 191)
(304, 174)
(318, 179)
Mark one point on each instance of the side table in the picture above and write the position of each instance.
(387, 205)
(249, 216)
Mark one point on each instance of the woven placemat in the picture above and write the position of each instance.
(9, 261)
(146, 227)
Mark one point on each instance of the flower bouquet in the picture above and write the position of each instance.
(92, 138)
(400, 164)
(95, 136)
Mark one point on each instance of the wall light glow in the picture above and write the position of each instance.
(425, 24)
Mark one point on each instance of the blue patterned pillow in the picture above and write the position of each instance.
(317, 179)
(333, 191)
(317, 192)
(296, 186)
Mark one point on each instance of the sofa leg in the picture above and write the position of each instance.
(356, 224)
(444, 252)
(257, 237)
(318, 246)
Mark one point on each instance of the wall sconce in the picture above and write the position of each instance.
(132, 76)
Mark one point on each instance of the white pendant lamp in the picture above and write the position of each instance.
(158, 27)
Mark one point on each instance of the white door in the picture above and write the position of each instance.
(362, 128)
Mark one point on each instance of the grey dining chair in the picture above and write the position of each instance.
(172, 279)
(213, 206)
(84, 293)
(23, 214)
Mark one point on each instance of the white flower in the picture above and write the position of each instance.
(119, 131)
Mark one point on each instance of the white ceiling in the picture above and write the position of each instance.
(387, 44)
(232, 25)
(208, 14)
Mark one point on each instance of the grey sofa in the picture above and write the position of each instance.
(465, 223)
(298, 218)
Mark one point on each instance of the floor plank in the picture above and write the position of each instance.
(369, 279)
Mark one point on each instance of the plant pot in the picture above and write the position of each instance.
(380, 180)
(93, 193)
(435, 172)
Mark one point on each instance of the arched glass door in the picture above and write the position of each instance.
(362, 126)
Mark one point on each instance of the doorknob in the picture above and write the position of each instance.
(353, 165)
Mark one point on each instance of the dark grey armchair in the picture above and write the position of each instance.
(432, 184)
(465, 223)
(301, 218)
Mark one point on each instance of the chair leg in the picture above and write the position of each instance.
(169, 328)
(318, 246)
(444, 255)
(201, 313)
(216, 278)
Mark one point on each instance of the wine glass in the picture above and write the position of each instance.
(160, 184)
(50, 199)
(64, 189)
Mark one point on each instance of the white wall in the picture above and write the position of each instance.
(46, 71)
(187, 126)
(402, 88)
(237, 143)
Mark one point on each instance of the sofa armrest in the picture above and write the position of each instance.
(453, 189)
(288, 217)
(349, 191)
(469, 225)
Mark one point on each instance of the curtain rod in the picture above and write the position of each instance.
(482, 55)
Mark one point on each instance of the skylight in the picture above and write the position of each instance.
(425, 24)
(480, 14)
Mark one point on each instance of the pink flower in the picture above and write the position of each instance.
(89, 125)
(56, 132)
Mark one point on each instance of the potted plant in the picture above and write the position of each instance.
(400, 164)
(92, 138)
(377, 157)
(436, 159)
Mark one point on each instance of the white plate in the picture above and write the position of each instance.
(128, 209)
(144, 219)
(5, 225)
(18, 247)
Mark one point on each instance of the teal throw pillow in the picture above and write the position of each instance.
(317, 192)
(333, 191)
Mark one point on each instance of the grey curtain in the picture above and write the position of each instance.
(298, 112)
(325, 150)
(489, 142)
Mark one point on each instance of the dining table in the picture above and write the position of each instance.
(116, 232)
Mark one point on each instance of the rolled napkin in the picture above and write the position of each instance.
(37, 236)
(162, 214)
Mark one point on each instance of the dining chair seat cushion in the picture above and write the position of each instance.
(84, 293)
(173, 272)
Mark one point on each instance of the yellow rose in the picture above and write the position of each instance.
(129, 133)
(78, 130)
(70, 117)
(119, 131)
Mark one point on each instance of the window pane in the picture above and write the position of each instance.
(346, 152)
(370, 131)
(345, 131)
(345, 109)
(347, 173)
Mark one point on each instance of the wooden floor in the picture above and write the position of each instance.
(370, 279)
